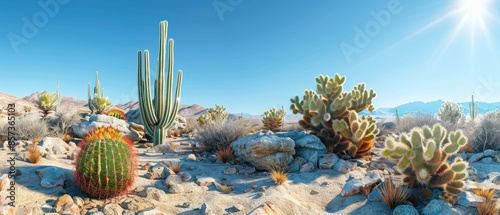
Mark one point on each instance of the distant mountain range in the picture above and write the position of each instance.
(431, 108)
(188, 111)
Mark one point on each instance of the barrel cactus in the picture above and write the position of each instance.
(424, 158)
(106, 164)
(332, 115)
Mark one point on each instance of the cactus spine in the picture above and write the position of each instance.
(106, 163)
(423, 158)
(158, 115)
(473, 109)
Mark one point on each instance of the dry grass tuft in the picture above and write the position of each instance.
(34, 153)
(279, 174)
(225, 153)
(491, 207)
(488, 194)
(221, 133)
(410, 121)
(175, 166)
(392, 195)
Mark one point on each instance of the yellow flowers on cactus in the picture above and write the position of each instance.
(101, 133)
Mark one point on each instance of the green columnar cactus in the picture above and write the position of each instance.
(99, 103)
(328, 103)
(215, 113)
(423, 158)
(106, 163)
(159, 115)
(450, 112)
(58, 97)
(473, 109)
(47, 102)
(273, 118)
(397, 117)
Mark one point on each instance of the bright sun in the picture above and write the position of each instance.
(474, 8)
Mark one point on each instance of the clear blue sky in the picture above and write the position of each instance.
(250, 55)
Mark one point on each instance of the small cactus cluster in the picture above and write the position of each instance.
(450, 112)
(215, 113)
(99, 103)
(117, 113)
(423, 158)
(273, 118)
(332, 115)
(106, 164)
(47, 102)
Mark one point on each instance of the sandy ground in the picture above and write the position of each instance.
(304, 193)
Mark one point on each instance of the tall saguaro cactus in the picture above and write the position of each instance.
(473, 109)
(158, 114)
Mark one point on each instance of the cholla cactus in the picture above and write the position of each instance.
(328, 103)
(450, 112)
(47, 102)
(273, 118)
(358, 132)
(99, 103)
(106, 163)
(423, 158)
(216, 113)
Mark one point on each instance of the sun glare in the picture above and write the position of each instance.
(474, 8)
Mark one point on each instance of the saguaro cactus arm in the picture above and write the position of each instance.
(159, 114)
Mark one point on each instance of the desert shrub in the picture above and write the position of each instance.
(292, 126)
(30, 128)
(221, 133)
(410, 121)
(487, 134)
(273, 118)
(63, 122)
(190, 126)
(450, 112)
(494, 114)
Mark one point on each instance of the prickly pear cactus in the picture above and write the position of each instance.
(423, 158)
(324, 110)
(106, 164)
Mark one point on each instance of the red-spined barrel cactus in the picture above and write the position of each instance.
(106, 163)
